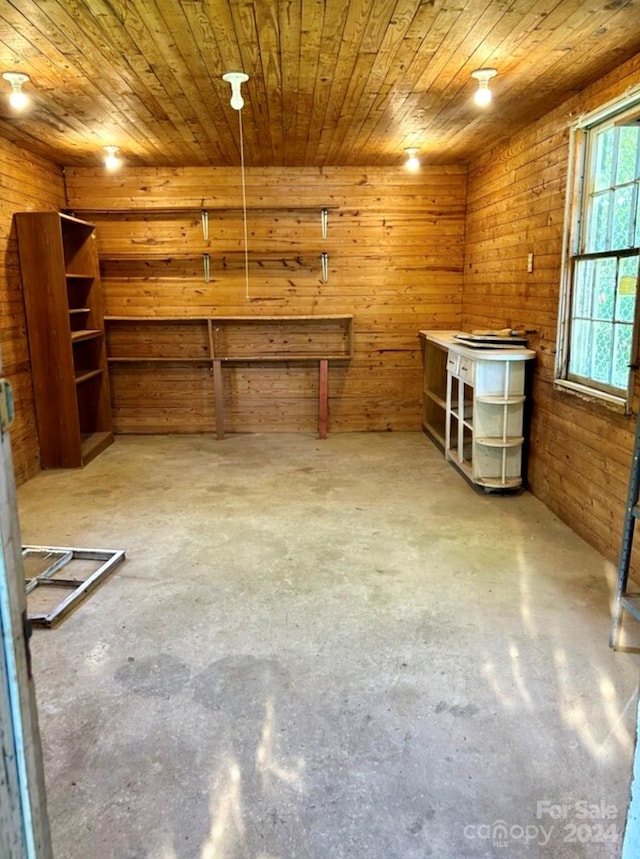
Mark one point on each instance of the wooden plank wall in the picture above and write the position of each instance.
(579, 452)
(395, 246)
(26, 183)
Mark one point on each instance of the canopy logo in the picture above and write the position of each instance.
(566, 822)
(500, 833)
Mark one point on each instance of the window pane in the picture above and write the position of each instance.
(622, 231)
(601, 352)
(603, 164)
(583, 289)
(627, 286)
(598, 228)
(621, 355)
(627, 155)
(605, 283)
(580, 349)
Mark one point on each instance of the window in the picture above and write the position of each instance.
(597, 330)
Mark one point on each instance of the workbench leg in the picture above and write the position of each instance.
(323, 398)
(219, 395)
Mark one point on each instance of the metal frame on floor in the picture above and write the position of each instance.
(60, 557)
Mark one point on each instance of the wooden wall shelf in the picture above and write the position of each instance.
(170, 211)
(218, 340)
(188, 241)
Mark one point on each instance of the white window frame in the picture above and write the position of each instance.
(577, 190)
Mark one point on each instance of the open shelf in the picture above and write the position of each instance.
(499, 400)
(81, 376)
(85, 334)
(220, 341)
(132, 359)
(94, 443)
(513, 441)
(144, 210)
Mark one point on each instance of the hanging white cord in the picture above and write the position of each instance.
(244, 211)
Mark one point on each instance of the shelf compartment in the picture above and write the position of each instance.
(81, 319)
(498, 465)
(93, 443)
(501, 379)
(78, 247)
(285, 338)
(81, 376)
(85, 334)
(434, 421)
(467, 411)
(438, 400)
(157, 339)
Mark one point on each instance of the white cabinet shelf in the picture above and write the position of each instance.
(480, 426)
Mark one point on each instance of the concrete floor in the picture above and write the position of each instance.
(326, 649)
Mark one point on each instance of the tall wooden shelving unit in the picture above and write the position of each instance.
(63, 303)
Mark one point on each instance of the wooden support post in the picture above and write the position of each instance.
(217, 382)
(217, 387)
(323, 398)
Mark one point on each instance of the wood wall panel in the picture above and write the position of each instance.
(395, 245)
(580, 453)
(26, 183)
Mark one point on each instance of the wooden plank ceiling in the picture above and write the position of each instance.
(332, 82)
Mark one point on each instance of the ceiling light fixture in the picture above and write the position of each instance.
(412, 163)
(17, 98)
(236, 79)
(111, 160)
(482, 95)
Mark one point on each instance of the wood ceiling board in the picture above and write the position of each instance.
(330, 82)
(333, 23)
(71, 84)
(350, 72)
(375, 89)
(219, 55)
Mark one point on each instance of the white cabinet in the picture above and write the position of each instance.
(483, 410)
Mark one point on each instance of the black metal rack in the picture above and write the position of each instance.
(627, 600)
